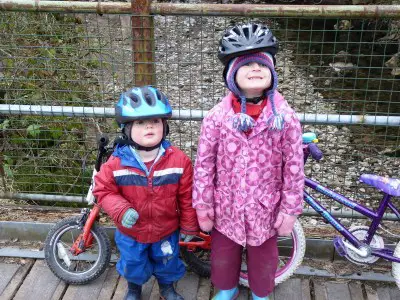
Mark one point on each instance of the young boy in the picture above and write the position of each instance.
(146, 188)
(248, 180)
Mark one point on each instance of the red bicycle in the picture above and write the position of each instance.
(78, 249)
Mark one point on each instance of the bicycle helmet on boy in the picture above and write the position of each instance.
(141, 103)
(245, 39)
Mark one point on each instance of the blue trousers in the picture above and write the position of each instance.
(138, 261)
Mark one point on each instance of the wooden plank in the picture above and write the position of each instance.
(305, 289)
(337, 290)
(394, 293)
(155, 293)
(109, 285)
(289, 289)
(87, 291)
(204, 291)
(188, 286)
(371, 293)
(40, 283)
(60, 290)
(7, 272)
(320, 290)
(121, 289)
(147, 288)
(12, 287)
(356, 291)
(383, 293)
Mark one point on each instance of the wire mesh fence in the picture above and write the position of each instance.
(326, 67)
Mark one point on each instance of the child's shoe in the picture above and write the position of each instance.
(255, 297)
(134, 291)
(168, 292)
(227, 294)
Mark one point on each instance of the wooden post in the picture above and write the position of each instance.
(143, 43)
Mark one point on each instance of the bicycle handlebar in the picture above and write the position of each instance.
(315, 152)
(102, 141)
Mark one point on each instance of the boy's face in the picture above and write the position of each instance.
(253, 79)
(147, 133)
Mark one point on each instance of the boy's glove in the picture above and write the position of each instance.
(129, 218)
(284, 224)
(187, 237)
(205, 218)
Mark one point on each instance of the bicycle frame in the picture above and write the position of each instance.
(375, 216)
(89, 217)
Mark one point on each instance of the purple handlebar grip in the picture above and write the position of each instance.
(315, 152)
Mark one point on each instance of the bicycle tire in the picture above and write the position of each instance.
(203, 267)
(58, 266)
(396, 266)
(200, 266)
(295, 259)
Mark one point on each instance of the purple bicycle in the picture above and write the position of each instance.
(359, 244)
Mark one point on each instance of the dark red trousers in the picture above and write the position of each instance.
(226, 260)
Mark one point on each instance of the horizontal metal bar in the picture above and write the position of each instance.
(192, 114)
(80, 199)
(263, 10)
(253, 10)
(42, 197)
(67, 6)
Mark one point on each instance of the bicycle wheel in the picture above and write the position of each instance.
(76, 269)
(396, 266)
(198, 260)
(291, 253)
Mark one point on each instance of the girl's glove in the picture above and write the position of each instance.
(187, 237)
(129, 218)
(205, 218)
(284, 224)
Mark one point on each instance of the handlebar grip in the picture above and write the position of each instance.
(315, 152)
(102, 141)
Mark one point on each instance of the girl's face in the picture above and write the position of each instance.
(147, 133)
(253, 79)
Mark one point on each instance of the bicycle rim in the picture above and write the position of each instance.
(83, 263)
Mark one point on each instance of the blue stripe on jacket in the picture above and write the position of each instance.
(126, 180)
(166, 179)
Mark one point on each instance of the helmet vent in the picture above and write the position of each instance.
(134, 98)
(148, 99)
(236, 30)
(246, 32)
(237, 45)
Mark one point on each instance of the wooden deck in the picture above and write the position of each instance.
(32, 280)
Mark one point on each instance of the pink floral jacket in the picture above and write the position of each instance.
(249, 179)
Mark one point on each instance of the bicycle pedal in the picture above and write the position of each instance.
(339, 246)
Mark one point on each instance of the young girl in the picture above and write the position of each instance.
(248, 180)
(146, 188)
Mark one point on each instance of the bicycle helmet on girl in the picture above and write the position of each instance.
(141, 103)
(239, 46)
(245, 39)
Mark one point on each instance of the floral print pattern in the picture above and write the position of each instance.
(249, 179)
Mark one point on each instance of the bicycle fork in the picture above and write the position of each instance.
(85, 239)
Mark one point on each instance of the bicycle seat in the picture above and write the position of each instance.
(390, 186)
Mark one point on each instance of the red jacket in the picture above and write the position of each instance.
(163, 198)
